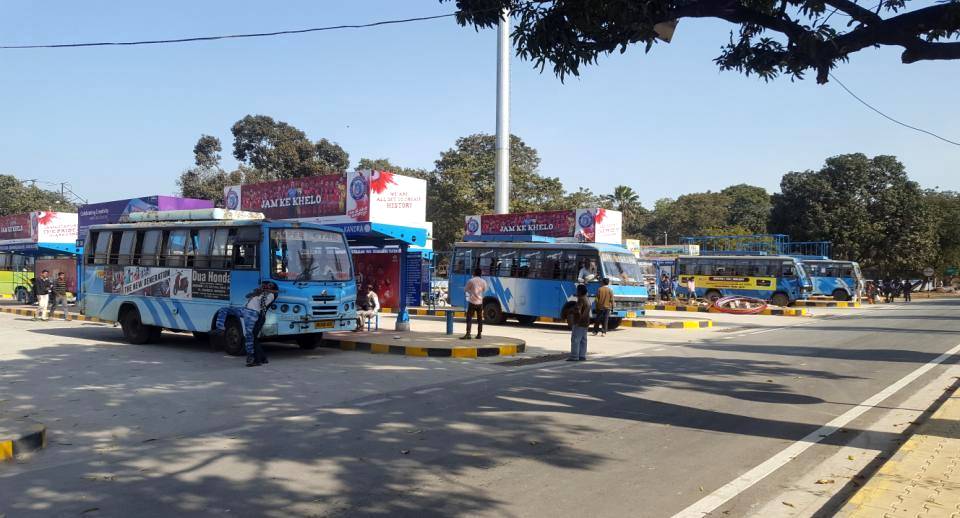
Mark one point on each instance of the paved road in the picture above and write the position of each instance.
(649, 432)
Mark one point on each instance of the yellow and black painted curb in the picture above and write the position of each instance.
(33, 439)
(655, 324)
(27, 312)
(825, 304)
(480, 351)
(787, 312)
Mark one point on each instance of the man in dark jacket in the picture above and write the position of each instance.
(60, 294)
(579, 319)
(907, 290)
(42, 288)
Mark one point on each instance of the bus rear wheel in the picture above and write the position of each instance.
(840, 295)
(526, 320)
(613, 323)
(233, 343)
(712, 296)
(780, 299)
(493, 314)
(22, 295)
(134, 330)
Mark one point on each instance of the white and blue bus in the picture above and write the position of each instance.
(529, 280)
(841, 280)
(778, 279)
(175, 270)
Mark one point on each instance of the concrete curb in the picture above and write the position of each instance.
(54, 315)
(825, 304)
(654, 324)
(707, 309)
(33, 439)
(482, 351)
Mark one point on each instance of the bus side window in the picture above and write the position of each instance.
(103, 248)
(507, 259)
(174, 248)
(552, 260)
(113, 254)
(529, 264)
(203, 244)
(245, 256)
(149, 248)
(486, 261)
(569, 266)
(91, 247)
(125, 253)
(219, 258)
(788, 270)
(705, 267)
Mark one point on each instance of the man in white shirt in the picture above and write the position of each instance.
(474, 291)
(253, 315)
(588, 273)
(368, 303)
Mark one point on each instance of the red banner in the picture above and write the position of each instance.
(297, 198)
(557, 223)
(17, 226)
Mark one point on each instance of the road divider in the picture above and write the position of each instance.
(20, 436)
(691, 308)
(432, 345)
(825, 304)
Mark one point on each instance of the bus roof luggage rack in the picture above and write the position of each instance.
(191, 215)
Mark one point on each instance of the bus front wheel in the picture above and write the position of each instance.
(780, 299)
(840, 295)
(308, 342)
(712, 296)
(613, 323)
(134, 330)
(493, 314)
(23, 296)
(233, 343)
(526, 320)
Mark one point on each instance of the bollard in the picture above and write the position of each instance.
(449, 314)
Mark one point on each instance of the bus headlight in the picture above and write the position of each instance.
(296, 309)
(346, 307)
(284, 308)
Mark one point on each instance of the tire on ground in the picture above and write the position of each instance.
(613, 323)
(233, 343)
(780, 299)
(492, 312)
(712, 295)
(134, 330)
(310, 341)
(840, 295)
(526, 320)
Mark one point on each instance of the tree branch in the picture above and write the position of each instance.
(930, 51)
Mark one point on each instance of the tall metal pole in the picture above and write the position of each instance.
(502, 189)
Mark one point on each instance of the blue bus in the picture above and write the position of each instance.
(778, 279)
(527, 281)
(841, 280)
(177, 270)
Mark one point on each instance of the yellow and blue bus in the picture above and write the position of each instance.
(778, 279)
(16, 277)
(175, 270)
(529, 280)
(841, 280)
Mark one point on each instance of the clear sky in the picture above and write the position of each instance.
(122, 122)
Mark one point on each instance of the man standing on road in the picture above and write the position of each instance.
(254, 314)
(60, 294)
(474, 291)
(907, 290)
(691, 289)
(579, 319)
(42, 287)
(604, 305)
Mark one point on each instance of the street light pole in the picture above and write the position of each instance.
(502, 183)
(664, 239)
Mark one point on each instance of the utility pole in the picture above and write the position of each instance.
(664, 239)
(502, 183)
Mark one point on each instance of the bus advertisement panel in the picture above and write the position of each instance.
(17, 228)
(111, 211)
(595, 225)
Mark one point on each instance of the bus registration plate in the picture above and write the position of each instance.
(324, 324)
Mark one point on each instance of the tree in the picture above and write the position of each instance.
(279, 150)
(463, 183)
(945, 210)
(384, 164)
(749, 208)
(695, 214)
(623, 198)
(867, 207)
(17, 198)
(583, 198)
(206, 153)
(774, 37)
(627, 201)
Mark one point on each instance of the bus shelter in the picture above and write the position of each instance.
(36, 241)
(380, 236)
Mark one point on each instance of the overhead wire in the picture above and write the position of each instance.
(891, 119)
(226, 36)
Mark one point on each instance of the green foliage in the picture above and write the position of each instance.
(945, 210)
(867, 207)
(463, 184)
(280, 150)
(773, 37)
(206, 153)
(17, 198)
(749, 208)
(384, 164)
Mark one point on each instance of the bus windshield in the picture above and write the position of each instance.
(621, 268)
(308, 255)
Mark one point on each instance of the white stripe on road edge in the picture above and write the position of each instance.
(481, 380)
(733, 488)
(373, 402)
(429, 390)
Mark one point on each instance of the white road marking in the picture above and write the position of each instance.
(740, 484)
(428, 390)
(471, 382)
(373, 402)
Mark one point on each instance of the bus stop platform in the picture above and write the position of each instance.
(920, 478)
(783, 312)
(424, 344)
(19, 436)
(822, 303)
